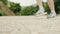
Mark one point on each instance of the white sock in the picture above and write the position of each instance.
(42, 9)
(53, 11)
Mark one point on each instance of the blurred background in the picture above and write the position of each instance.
(24, 7)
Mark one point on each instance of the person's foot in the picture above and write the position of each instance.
(40, 13)
(52, 15)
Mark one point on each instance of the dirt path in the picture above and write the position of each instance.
(29, 25)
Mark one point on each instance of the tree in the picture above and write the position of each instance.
(57, 6)
(15, 7)
(29, 10)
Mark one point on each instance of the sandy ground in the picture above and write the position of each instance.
(29, 25)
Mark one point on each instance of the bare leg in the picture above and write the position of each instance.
(52, 7)
(41, 9)
(39, 2)
(51, 4)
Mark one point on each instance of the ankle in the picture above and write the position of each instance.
(41, 9)
(53, 11)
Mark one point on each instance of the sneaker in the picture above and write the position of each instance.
(52, 15)
(41, 13)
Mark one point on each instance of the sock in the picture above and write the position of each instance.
(42, 9)
(53, 11)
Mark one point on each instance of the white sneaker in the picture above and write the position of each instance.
(41, 13)
(52, 15)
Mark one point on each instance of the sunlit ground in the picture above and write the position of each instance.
(29, 25)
